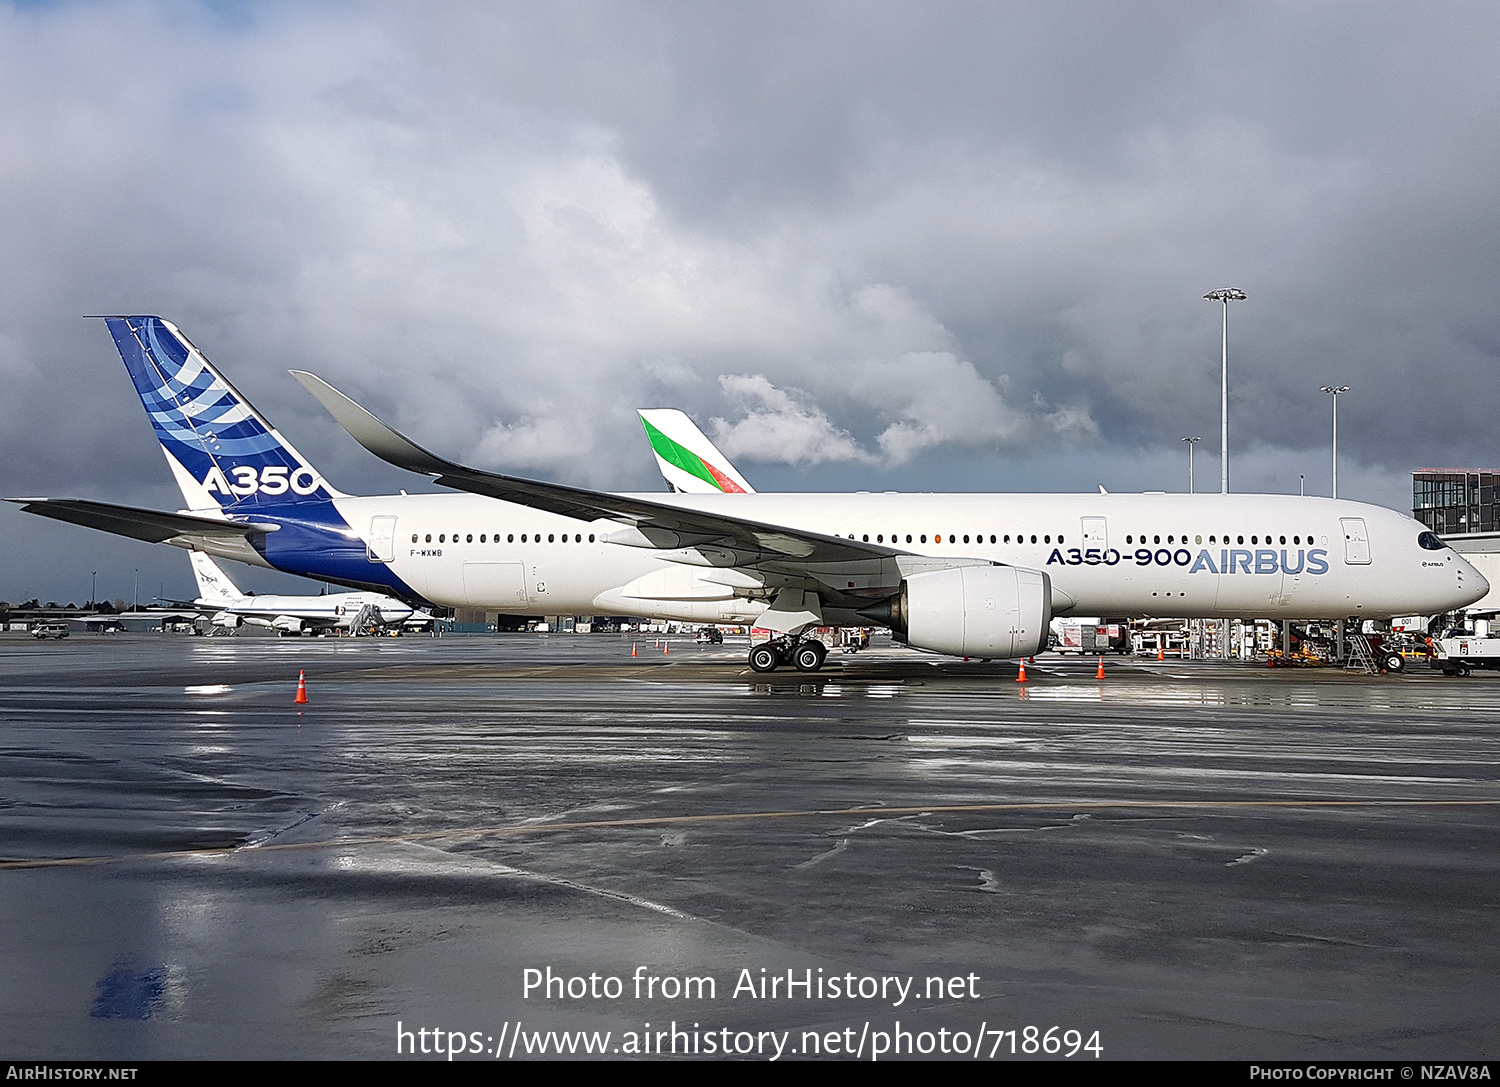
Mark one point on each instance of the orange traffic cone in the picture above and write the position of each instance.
(301, 689)
(666, 647)
(1021, 675)
(1100, 673)
(632, 649)
(1161, 654)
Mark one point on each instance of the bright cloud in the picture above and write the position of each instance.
(779, 427)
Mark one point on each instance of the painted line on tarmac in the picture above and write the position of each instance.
(516, 829)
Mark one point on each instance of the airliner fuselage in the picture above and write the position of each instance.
(1187, 556)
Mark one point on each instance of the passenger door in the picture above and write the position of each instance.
(1095, 533)
(1356, 541)
(381, 546)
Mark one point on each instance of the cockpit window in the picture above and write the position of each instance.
(1430, 541)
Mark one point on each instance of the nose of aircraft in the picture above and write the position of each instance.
(1472, 585)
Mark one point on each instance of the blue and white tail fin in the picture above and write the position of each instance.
(214, 586)
(222, 452)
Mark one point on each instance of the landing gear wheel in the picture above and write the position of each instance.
(1394, 662)
(764, 658)
(1462, 670)
(808, 656)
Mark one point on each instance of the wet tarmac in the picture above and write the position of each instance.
(1192, 860)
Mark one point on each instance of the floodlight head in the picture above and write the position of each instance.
(1190, 440)
(1335, 389)
(1226, 295)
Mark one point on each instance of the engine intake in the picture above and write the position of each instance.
(972, 611)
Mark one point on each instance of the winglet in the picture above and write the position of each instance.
(386, 443)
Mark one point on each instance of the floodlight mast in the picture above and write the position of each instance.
(1224, 295)
(1191, 442)
(1334, 390)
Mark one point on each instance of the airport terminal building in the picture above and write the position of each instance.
(1462, 505)
(1453, 501)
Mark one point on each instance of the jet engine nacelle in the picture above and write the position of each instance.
(287, 624)
(226, 620)
(977, 611)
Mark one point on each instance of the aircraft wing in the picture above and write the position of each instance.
(723, 540)
(153, 526)
(195, 605)
(315, 622)
(241, 610)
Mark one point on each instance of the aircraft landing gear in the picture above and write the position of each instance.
(806, 655)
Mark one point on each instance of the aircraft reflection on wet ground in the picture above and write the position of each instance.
(1195, 860)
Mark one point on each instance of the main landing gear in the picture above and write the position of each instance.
(807, 655)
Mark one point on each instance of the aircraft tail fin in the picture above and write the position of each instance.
(222, 452)
(689, 462)
(214, 585)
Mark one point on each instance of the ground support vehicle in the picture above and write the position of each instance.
(1459, 654)
(853, 639)
(1091, 638)
(1306, 654)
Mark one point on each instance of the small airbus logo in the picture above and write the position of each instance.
(272, 479)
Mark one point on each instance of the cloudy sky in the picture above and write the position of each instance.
(936, 246)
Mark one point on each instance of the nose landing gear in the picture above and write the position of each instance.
(805, 654)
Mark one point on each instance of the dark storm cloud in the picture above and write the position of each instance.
(951, 245)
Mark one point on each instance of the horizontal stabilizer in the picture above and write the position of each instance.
(153, 526)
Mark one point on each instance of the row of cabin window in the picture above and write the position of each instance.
(952, 538)
(1214, 539)
(1020, 539)
(510, 538)
(879, 538)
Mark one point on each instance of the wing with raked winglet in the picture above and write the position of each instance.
(650, 523)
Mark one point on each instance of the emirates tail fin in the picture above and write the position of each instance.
(689, 462)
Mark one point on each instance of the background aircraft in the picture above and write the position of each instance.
(231, 608)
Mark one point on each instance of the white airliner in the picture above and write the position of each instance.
(974, 575)
(231, 608)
